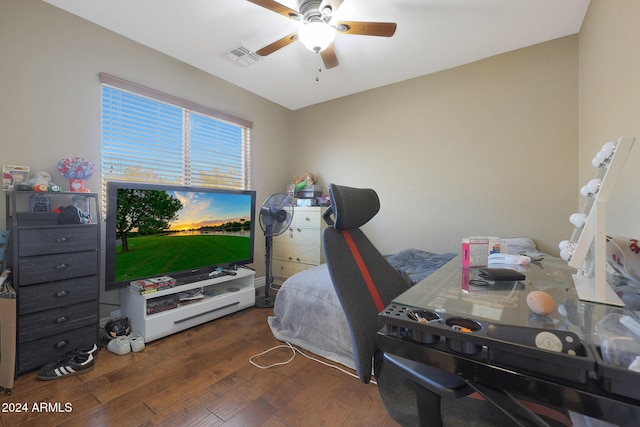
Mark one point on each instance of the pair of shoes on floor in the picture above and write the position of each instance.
(92, 350)
(75, 362)
(124, 344)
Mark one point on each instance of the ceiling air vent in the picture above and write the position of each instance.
(243, 56)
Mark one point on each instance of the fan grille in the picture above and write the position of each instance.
(276, 214)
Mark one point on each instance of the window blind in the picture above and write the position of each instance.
(148, 136)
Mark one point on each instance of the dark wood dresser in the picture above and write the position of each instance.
(55, 270)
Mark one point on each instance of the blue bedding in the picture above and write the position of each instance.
(417, 264)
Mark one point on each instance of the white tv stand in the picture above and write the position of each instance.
(228, 294)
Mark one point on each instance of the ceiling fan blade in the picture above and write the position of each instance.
(329, 57)
(278, 44)
(276, 7)
(382, 29)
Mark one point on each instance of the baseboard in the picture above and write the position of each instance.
(259, 282)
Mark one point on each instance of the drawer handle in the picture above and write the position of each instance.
(298, 229)
(61, 344)
(307, 218)
(290, 259)
(61, 240)
(61, 294)
(61, 266)
(297, 259)
(61, 319)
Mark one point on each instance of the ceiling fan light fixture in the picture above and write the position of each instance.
(316, 35)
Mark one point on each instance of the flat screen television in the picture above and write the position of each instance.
(156, 230)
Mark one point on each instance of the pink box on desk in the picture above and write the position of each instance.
(475, 251)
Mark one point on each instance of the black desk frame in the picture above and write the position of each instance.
(501, 381)
(588, 399)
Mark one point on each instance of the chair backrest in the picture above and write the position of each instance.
(363, 279)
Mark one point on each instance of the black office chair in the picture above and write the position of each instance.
(365, 284)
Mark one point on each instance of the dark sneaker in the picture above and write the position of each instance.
(74, 365)
(93, 350)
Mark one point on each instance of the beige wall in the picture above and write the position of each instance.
(609, 89)
(50, 96)
(489, 148)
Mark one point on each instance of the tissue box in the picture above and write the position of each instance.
(475, 251)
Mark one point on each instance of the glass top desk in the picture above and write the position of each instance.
(488, 335)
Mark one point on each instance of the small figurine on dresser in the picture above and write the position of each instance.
(41, 181)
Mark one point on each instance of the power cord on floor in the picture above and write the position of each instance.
(295, 350)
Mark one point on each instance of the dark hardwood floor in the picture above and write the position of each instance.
(200, 377)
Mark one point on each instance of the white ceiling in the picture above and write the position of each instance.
(432, 35)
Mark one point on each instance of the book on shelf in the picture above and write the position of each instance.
(191, 294)
(160, 304)
(145, 286)
(214, 292)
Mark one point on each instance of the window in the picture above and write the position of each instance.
(149, 136)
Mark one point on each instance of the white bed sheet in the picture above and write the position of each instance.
(309, 315)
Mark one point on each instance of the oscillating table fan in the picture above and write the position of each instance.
(276, 214)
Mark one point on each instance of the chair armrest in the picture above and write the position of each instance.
(433, 379)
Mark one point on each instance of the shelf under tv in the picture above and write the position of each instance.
(223, 295)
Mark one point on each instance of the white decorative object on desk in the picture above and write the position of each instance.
(591, 226)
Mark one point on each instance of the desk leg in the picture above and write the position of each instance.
(429, 407)
(510, 406)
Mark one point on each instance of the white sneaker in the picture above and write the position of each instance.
(136, 341)
(119, 345)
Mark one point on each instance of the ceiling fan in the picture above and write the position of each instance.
(318, 31)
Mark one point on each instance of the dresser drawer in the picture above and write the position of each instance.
(298, 237)
(33, 354)
(57, 294)
(55, 240)
(56, 320)
(283, 269)
(301, 245)
(305, 254)
(307, 218)
(41, 269)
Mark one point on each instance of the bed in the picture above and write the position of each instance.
(307, 312)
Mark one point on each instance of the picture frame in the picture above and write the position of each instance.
(14, 175)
